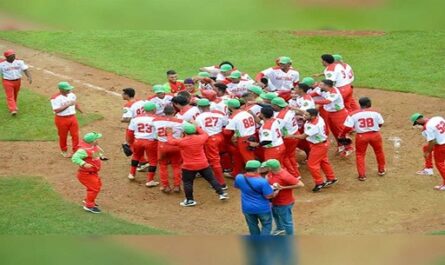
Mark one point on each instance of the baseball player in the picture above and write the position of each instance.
(194, 161)
(173, 85)
(145, 144)
(214, 70)
(186, 111)
(366, 122)
(304, 101)
(314, 92)
(190, 87)
(428, 164)
(64, 106)
(435, 135)
(336, 72)
(267, 97)
(160, 98)
(212, 123)
(236, 85)
(315, 134)
(350, 76)
(88, 157)
(127, 95)
(11, 71)
(335, 108)
(251, 99)
(205, 82)
(167, 152)
(289, 127)
(242, 127)
(280, 79)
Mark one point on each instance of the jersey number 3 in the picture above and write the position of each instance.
(441, 127)
(366, 123)
(144, 128)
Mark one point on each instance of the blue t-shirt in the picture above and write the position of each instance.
(254, 201)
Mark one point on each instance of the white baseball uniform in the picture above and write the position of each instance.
(12, 71)
(142, 126)
(337, 74)
(212, 122)
(435, 130)
(363, 121)
(243, 123)
(271, 131)
(315, 130)
(60, 100)
(162, 123)
(278, 80)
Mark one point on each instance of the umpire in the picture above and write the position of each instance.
(194, 161)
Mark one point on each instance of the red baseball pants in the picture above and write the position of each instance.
(211, 149)
(64, 125)
(93, 183)
(336, 121)
(429, 159)
(346, 93)
(276, 152)
(145, 148)
(169, 154)
(12, 88)
(362, 140)
(439, 159)
(290, 156)
(243, 148)
(318, 159)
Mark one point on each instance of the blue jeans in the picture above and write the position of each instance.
(252, 222)
(283, 218)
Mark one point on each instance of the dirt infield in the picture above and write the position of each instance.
(400, 202)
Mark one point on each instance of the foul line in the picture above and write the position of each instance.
(76, 81)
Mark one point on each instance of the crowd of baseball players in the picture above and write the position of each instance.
(226, 126)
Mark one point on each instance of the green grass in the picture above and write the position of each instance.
(31, 207)
(439, 233)
(400, 61)
(35, 120)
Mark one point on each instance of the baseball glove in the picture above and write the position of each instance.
(127, 150)
(344, 141)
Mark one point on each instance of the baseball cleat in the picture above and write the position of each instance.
(92, 209)
(340, 149)
(224, 196)
(362, 178)
(142, 167)
(224, 187)
(13, 113)
(381, 173)
(187, 203)
(318, 187)
(177, 189)
(165, 189)
(440, 187)
(346, 153)
(95, 204)
(151, 184)
(228, 175)
(330, 183)
(425, 172)
(130, 176)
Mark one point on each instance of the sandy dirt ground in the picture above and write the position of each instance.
(399, 203)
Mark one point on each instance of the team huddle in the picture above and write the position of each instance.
(224, 124)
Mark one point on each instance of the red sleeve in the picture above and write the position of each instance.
(290, 180)
(130, 136)
(172, 140)
(259, 76)
(322, 102)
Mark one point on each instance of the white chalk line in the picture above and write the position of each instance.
(76, 81)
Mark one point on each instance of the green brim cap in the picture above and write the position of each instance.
(91, 137)
(189, 128)
(279, 102)
(149, 106)
(235, 74)
(308, 81)
(233, 103)
(269, 95)
(203, 74)
(226, 68)
(255, 89)
(337, 57)
(415, 117)
(273, 163)
(65, 86)
(285, 60)
(264, 164)
(253, 164)
(159, 89)
(203, 102)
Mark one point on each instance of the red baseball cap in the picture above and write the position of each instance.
(9, 52)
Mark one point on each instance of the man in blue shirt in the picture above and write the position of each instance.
(255, 195)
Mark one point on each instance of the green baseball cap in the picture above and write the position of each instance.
(65, 86)
(264, 164)
(308, 81)
(159, 89)
(280, 102)
(233, 103)
(235, 74)
(415, 117)
(337, 57)
(284, 60)
(91, 137)
(203, 74)
(255, 89)
(273, 163)
(203, 102)
(253, 164)
(225, 68)
(189, 128)
(269, 95)
(149, 106)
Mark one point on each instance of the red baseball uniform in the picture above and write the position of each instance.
(435, 131)
(343, 76)
(289, 126)
(12, 74)
(270, 131)
(366, 123)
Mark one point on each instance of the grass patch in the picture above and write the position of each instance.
(33, 208)
(438, 233)
(400, 61)
(35, 121)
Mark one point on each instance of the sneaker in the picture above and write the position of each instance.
(425, 172)
(228, 175)
(130, 176)
(340, 149)
(13, 113)
(151, 184)
(227, 170)
(224, 187)
(381, 173)
(330, 183)
(142, 167)
(165, 189)
(440, 187)
(187, 203)
(66, 154)
(84, 202)
(346, 153)
(92, 209)
(279, 233)
(318, 187)
(224, 196)
(362, 178)
(177, 189)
